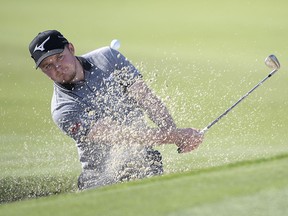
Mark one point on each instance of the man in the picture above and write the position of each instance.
(100, 100)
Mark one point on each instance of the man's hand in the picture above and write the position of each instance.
(189, 140)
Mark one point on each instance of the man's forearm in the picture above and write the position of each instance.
(115, 134)
(152, 105)
(187, 139)
(160, 115)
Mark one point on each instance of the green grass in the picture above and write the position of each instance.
(256, 187)
(204, 55)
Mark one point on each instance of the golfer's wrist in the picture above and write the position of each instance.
(173, 136)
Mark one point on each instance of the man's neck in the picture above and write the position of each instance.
(79, 72)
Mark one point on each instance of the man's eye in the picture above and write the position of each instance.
(48, 67)
(60, 57)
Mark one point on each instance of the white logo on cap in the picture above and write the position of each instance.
(41, 47)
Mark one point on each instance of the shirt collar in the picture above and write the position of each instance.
(85, 63)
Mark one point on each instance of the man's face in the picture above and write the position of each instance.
(61, 67)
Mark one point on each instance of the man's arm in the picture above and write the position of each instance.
(107, 131)
(151, 104)
(188, 138)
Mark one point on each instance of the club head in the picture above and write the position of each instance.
(272, 62)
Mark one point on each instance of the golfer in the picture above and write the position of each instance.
(100, 100)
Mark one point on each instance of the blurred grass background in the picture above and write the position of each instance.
(199, 56)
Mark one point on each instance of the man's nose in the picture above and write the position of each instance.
(58, 66)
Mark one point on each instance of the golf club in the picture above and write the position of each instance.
(272, 62)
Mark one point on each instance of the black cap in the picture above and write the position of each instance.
(45, 44)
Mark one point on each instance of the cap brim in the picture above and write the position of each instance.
(49, 53)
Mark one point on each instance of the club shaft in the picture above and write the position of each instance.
(235, 104)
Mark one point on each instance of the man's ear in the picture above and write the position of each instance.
(71, 48)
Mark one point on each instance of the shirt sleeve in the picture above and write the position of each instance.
(73, 120)
(115, 64)
(125, 72)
